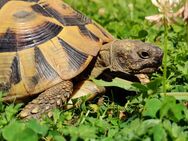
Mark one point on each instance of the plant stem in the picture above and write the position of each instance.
(186, 26)
(165, 55)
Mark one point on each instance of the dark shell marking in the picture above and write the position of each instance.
(11, 71)
(3, 2)
(11, 41)
(85, 32)
(39, 9)
(77, 19)
(8, 41)
(44, 70)
(15, 67)
(73, 20)
(76, 58)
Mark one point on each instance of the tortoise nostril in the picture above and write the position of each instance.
(144, 55)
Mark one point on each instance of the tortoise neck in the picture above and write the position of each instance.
(103, 60)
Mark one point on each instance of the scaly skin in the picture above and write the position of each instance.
(55, 97)
(128, 56)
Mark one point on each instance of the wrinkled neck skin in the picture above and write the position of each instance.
(103, 60)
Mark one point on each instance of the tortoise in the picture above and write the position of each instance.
(46, 44)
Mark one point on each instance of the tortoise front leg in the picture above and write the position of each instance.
(54, 97)
(85, 88)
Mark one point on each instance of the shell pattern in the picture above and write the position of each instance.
(43, 42)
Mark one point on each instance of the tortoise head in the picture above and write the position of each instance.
(133, 56)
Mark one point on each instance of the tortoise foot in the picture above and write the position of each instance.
(55, 97)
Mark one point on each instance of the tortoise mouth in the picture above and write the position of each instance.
(146, 69)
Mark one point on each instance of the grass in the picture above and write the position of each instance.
(148, 115)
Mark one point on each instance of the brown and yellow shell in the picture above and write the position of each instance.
(43, 42)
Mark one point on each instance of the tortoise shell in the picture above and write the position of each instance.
(43, 42)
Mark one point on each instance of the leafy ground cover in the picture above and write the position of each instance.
(149, 115)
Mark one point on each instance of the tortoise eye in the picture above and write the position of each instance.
(144, 54)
